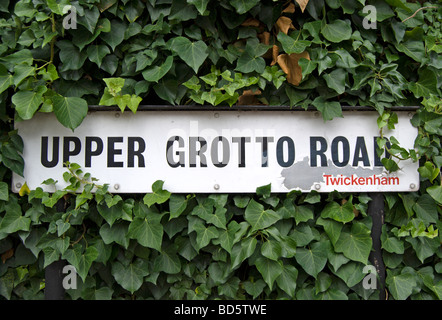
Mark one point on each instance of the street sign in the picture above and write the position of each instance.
(218, 151)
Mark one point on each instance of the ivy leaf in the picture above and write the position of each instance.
(312, 259)
(346, 61)
(271, 249)
(302, 4)
(258, 217)
(110, 64)
(158, 195)
(27, 102)
(251, 59)
(13, 219)
(287, 279)
(400, 285)
(147, 231)
(426, 209)
(389, 164)
(336, 80)
(111, 214)
(242, 251)
(264, 191)
(155, 73)
(241, 201)
(337, 212)
(117, 233)
(4, 191)
(62, 227)
(391, 244)
(71, 57)
(204, 234)
(21, 72)
(168, 261)
(413, 49)
(177, 205)
(130, 277)
(192, 53)
(269, 269)
(5, 82)
(337, 31)
(200, 5)
(254, 288)
(116, 34)
(303, 213)
(70, 111)
(126, 100)
(226, 238)
(181, 11)
(291, 45)
(351, 273)
(328, 109)
(50, 255)
(104, 251)
(219, 272)
(243, 6)
(426, 85)
(424, 246)
(89, 19)
(307, 66)
(96, 53)
(288, 245)
(218, 219)
(82, 261)
(356, 243)
(20, 57)
(230, 288)
(436, 193)
(204, 209)
(332, 228)
(23, 9)
(57, 6)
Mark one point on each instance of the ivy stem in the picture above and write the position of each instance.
(53, 39)
(83, 181)
(430, 7)
(41, 67)
(81, 237)
(387, 149)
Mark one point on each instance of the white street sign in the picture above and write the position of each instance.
(217, 151)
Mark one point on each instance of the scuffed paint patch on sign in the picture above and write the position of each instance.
(295, 177)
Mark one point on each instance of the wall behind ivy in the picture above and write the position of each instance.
(230, 52)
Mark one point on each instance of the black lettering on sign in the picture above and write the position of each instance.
(315, 152)
(132, 153)
(360, 153)
(67, 151)
(193, 153)
(241, 150)
(169, 152)
(111, 152)
(45, 152)
(280, 151)
(214, 152)
(345, 151)
(89, 152)
(265, 152)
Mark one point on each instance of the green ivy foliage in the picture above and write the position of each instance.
(228, 52)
